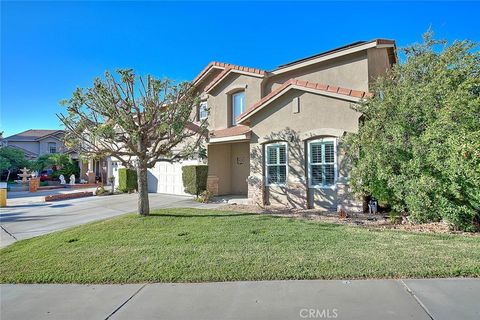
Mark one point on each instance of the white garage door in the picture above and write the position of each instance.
(166, 177)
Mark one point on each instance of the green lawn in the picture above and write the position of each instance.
(178, 245)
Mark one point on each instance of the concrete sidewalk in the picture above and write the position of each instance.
(317, 299)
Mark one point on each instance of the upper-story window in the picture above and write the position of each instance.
(238, 105)
(52, 147)
(203, 111)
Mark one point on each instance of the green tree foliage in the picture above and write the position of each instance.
(418, 146)
(136, 120)
(12, 159)
(62, 163)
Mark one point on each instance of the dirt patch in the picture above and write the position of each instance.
(378, 221)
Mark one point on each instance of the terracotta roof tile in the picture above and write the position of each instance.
(228, 132)
(332, 89)
(305, 84)
(231, 68)
(207, 68)
(344, 91)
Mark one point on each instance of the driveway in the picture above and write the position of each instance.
(28, 217)
(439, 299)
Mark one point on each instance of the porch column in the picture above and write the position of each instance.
(109, 170)
(90, 173)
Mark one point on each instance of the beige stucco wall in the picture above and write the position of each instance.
(240, 167)
(350, 71)
(378, 63)
(319, 116)
(229, 162)
(219, 99)
(316, 111)
(219, 166)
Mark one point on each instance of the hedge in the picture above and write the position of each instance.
(127, 180)
(195, 178)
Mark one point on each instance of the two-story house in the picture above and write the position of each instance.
(34, 142)
(276, 136)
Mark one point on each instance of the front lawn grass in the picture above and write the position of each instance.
(180, 245)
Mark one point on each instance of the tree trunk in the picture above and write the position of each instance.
(143, 205)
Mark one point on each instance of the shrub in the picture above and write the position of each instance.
(418, 141)
(127, 180)
(195, 178)
(205, 197)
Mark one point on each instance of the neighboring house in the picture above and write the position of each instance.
(276, 136)
(34, 143)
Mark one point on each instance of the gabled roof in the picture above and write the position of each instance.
(211, 66)
(330, 54)
(324, 89)
(33, 135)
(234, 69)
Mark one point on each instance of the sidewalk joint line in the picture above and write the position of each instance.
(125, 302)
(11, 235)
(420, 303)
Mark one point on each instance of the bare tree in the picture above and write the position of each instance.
(137, 120)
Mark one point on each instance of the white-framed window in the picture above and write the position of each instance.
(276, 163)
(52, 147)
(322, 163)
(238, 106)
(203, 110)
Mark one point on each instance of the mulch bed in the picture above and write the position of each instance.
(378, 221)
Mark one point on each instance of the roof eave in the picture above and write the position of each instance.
(223, 77)
(379, 43)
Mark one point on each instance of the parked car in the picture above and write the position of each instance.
(46, 175)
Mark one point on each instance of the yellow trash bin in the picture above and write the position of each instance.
(3, 194)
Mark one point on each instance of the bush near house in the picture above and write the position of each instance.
(61, 164)
(195, 178)
(127, 180)
(418, 145)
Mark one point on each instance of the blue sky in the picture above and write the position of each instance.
(50, 48)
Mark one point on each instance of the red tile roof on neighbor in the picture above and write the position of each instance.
(231, 68)
(229, 132)
(304, 84)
